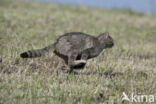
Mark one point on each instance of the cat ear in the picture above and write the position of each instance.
(106, 35)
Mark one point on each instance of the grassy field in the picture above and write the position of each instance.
(130, 66)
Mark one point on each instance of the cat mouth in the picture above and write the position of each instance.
(110, 45)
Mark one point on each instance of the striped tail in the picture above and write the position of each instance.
(38, 52)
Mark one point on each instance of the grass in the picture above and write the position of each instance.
(128, 67)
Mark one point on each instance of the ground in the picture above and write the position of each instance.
(128, 67)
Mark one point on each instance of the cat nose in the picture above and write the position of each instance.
(112, 44)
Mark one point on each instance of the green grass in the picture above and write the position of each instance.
(128, 67)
